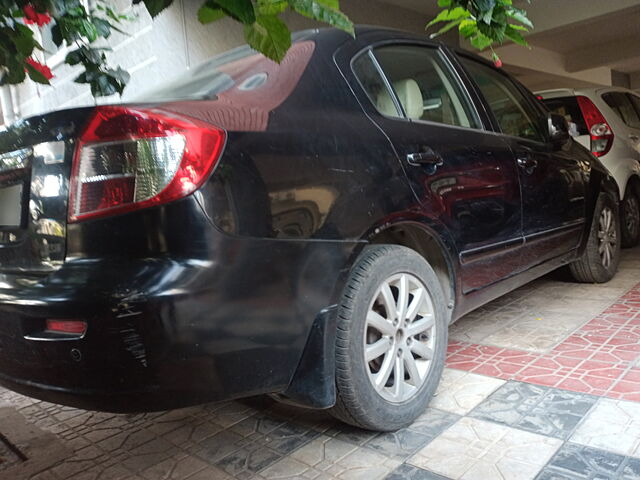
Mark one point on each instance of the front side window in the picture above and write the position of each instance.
(423, 85)
(621, 104)
(515, 115)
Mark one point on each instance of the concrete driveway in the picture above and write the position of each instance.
(542, 383)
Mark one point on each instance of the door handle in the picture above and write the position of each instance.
(427, 156)
(526, 162)
(633, 137)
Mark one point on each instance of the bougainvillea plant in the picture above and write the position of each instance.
(484, 22)
(83, 30)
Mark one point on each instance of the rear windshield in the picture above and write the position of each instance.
(242, 68)
(568, 107)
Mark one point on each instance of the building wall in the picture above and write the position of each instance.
(155, 51)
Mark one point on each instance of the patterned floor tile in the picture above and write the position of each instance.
(459, 392)
(409, 472)
(612, 425)
(577, 462)
(433, 422)
(329, 458)
(537, 409)
(536, 330)
(477, 450)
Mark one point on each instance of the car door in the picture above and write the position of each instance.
(552, 180)
(627, 107)
(461, 174)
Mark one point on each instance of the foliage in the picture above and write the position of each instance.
(85, 31)
(484, 22)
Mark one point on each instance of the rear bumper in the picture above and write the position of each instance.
(164, 333)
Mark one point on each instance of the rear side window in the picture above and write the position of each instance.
(373, 84)
(422, 84)
(515, 115)
(635, 100)
(621, 104)
(568, 107)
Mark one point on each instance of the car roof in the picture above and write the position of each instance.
(587, 92)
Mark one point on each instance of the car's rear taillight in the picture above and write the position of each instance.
(132, 158)
(599, 130)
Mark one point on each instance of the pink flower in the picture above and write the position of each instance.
(31, 16)
(43, 69)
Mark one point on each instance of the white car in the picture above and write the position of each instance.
(606, 120)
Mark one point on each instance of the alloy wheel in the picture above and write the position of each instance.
(607, 236)
(632, 215)
(399, 337)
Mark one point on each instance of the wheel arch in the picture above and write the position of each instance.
(429, 245)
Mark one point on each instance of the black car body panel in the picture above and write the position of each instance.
(232, 290)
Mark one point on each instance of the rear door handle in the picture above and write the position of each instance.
(427, 156)
(526, 162)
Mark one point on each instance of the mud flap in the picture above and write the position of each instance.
(313, 384)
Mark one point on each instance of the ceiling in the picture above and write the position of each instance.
(574, 43)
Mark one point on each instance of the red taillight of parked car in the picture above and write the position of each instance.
(132, 158)
(599, 129)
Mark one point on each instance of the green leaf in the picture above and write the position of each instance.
(516, 36)
(103, 27)
(15, 71)
(467, 28)
(480, 41)
(520, 28)
(444, 3)
(446, 28)
(448, 15)
(322, 11)
(35, 75)
(241, 10)
(22, 38)
(487, 16)
(269, 36)
(520, 16)
(271, 7)
(154, 7)
(56, 35)
(485, 5)
(207, 14)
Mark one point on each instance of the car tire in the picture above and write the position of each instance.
(630, 218)
(405, 335)
(600, 260)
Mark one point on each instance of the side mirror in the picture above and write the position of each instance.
(558, 129)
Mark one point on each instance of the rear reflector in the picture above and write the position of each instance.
(599, 129)
(132, 158)
(75, 327)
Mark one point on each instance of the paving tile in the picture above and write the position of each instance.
(364, 464)
(399, 445)
(177, 468)
(537, 409)
(433, 422)
(243, 463)
(323, 452)
(537, 331)
(475, 449)
(409, 472)
(612, 425)
(459, 392)
(577, 462)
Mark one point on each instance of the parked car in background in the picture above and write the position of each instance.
(307, 230)
(607, 122)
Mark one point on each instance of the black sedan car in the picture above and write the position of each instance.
(306, 230)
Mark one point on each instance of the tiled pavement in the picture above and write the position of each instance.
(543, 384)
